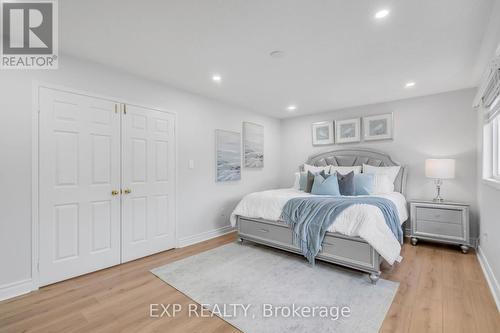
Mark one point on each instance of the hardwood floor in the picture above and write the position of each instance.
(441, 290)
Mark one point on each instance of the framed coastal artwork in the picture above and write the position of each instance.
(348, 130)
(253, 145)
(228, 155)
(322, 133)
(378, 127)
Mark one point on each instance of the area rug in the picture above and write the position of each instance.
(260, 289)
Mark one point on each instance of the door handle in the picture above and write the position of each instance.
(127, 191)
(115, 192)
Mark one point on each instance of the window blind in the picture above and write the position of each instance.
(492, 89)
(491, 95)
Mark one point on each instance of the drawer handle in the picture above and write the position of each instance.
(263, 230)
(437, 215)
(329, 244)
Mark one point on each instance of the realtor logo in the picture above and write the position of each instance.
(29, 34)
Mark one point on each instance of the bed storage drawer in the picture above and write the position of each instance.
(266, 231)
(336, 248)
(354, 252)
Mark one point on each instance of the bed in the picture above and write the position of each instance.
(339, 248)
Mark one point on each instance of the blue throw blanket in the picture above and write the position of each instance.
(311, 217)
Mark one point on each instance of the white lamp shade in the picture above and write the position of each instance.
(440, 168)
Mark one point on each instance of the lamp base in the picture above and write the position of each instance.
(438, 197)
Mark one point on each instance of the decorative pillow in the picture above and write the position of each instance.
(324, 174)
(345, 169)
(309, 182)
(346, 183)
(382, 184)
(316, 169)
(364, 184)
(391, 171)
(325, 186)
(302, 181)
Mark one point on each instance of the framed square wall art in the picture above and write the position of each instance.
(253, 145)
(228, 155)
(348, 130)
(322, 133)
(379, 127)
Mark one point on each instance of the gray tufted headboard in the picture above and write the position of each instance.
(360, 156)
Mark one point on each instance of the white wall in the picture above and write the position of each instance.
(440, 125)
(201, 201)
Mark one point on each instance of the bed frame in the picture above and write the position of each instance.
(352, 252)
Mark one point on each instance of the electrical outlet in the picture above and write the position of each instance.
(485, 236)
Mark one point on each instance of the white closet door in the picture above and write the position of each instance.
(148, 179)
(79, 167)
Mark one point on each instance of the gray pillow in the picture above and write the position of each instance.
(346, 183)
(324, 174)
(309, 182)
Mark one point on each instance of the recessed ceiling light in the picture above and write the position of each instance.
(277, 54)
(216, 78)
(410, 84)
(291, 108)
(382, 13)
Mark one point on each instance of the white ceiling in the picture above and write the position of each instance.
(337, 54)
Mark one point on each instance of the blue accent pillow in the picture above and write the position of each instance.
(364, 184)
(325, 186)
(303, 181)
(346, 183)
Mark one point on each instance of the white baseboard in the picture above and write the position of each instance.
(490, 276)
(15, 289)
(190, 240)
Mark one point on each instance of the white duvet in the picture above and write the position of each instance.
(365, 221)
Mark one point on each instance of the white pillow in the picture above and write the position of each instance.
(316, 169)
(296, 182)
(344, 170)
(391, 171)
(382, 184)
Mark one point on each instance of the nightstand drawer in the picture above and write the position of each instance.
(439, 229)
(439, 215)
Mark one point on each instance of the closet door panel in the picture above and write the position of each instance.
(148, 168)
(79, 166)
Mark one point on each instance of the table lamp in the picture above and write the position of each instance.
(439, 169)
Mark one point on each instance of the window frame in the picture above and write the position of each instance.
(495, 145)
(491, 151)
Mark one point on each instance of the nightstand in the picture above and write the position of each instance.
(445, 222)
